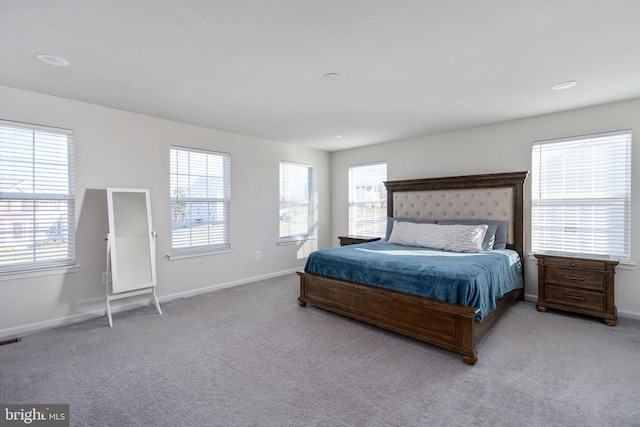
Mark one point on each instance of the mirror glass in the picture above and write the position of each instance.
(130, 239)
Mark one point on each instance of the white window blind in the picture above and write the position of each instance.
(200, 199)
(296, 201)
(581, 195)
(37, 198)
(368, 200)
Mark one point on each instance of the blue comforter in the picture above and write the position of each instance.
(471, 279)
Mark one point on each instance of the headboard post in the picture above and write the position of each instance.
(515, 180)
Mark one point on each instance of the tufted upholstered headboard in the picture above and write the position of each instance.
(497, 196)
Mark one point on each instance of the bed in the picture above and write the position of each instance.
(451, 325)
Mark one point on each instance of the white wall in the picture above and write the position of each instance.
(115, 148)
(503, 147)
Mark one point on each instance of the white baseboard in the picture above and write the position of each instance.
(75, 318)
(194, 292)
(629, 314)
(49, 324)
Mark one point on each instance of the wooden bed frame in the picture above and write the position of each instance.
(444, 324)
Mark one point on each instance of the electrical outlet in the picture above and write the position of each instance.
(258, 254)
(104, 277)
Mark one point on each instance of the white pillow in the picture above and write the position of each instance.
(455, 238)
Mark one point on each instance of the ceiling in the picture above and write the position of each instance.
(254, 67)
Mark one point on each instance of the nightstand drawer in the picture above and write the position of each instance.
(583, 264)
(575, 277)
(578, 298)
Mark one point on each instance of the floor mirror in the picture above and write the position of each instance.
(131, 247)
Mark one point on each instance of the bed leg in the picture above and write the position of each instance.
(469, 360)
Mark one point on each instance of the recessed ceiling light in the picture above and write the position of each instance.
(52, 60)
(331, 76)
(565, 85)
(338, 136)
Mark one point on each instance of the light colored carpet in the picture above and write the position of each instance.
(250, 356)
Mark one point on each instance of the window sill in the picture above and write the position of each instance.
(199, 254)
(295, 241)
(38, 272)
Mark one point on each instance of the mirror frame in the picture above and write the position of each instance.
(119, 227)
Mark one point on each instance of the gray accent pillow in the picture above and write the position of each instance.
(454, 237)
(391, 219)
(499, 236)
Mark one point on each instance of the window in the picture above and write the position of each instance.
(581, 195)
(200, 199)
(296, 203)
(368, 200)
(37, 198)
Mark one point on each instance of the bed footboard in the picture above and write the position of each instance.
(443, 324)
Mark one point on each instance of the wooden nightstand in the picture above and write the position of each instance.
(354, 240)
(580, 285)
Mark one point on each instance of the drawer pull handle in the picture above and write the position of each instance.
(573, 278)
(573, 297)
